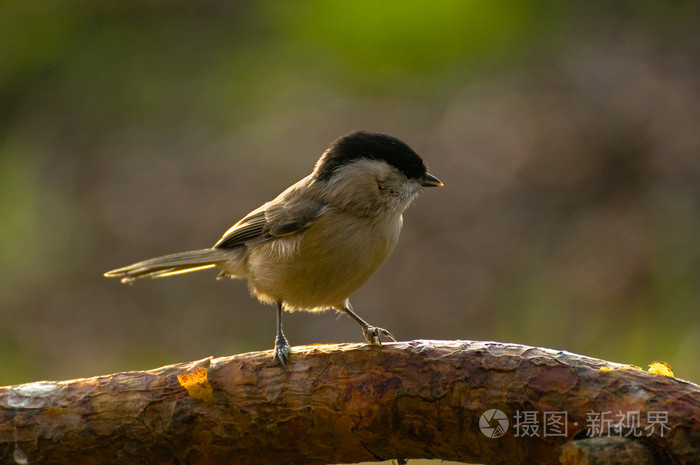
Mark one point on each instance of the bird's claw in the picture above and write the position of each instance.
(372, 334)
(281, 353)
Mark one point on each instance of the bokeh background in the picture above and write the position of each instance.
(567, 135)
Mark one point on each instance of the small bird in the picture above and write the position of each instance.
(318, 241)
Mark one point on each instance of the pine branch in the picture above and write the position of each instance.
(349, 403)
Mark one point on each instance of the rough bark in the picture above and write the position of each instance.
(349, 403)
(600, 450)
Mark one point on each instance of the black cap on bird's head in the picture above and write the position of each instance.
(366, 145)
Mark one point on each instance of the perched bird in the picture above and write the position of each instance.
(321, 239)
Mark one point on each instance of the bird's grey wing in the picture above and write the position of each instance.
(249, 229)
(270, 221)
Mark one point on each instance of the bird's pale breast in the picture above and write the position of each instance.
(323, 265)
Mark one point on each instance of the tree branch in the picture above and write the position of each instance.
(352, 402)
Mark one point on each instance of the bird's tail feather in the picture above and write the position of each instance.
(169, 265)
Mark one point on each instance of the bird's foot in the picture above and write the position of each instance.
(372, 334)
(281, 354)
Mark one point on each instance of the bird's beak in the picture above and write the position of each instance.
(430, 181)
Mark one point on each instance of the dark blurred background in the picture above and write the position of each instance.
(567, 135)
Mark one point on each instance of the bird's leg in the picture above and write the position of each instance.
(371, 333)
(281, 354)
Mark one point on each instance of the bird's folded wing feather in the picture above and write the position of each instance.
(270, 221)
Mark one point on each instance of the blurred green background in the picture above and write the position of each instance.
(567, 134)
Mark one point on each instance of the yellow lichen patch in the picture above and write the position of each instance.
(197, 384)
(660, 368)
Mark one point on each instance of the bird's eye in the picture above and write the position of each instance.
(380, 185)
